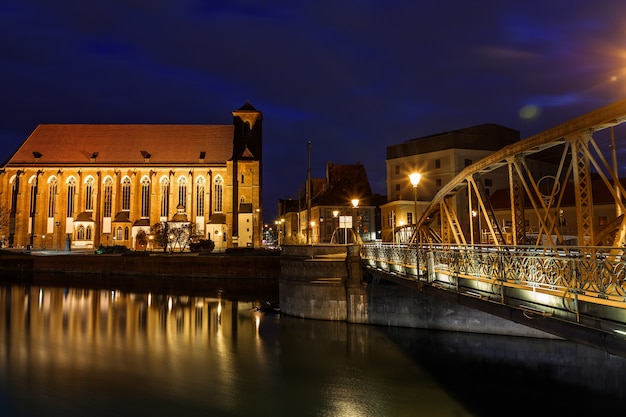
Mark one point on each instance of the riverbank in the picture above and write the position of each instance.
(249, 274)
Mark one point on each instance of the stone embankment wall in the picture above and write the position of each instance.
(157, 265)
(327, 282)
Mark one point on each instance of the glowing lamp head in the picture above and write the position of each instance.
(415, 178)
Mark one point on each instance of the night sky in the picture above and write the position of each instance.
(352, 77)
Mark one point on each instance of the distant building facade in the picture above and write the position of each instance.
(333, 217)
(438, 158)
(86, 185)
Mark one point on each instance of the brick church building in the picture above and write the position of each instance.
(79, 186)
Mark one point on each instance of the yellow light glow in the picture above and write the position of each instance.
(415, 178)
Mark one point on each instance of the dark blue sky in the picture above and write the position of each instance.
(352, 77)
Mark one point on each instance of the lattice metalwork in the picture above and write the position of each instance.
(582, 161)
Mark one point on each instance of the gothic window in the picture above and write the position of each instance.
(108, 196)
(14, 193)
(119, 234)
(126, 194)
(52, 196)
(89, 194)
(165, 197)
(182, 192)
(88, 234)
(200, 196)
(71, 195)
(126, 233)
(145, 197)
(80, 232)
(33, 196)
(218, 186)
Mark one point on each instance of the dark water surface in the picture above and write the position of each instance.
(96, 352)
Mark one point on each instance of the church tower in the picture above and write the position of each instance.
(247, 176)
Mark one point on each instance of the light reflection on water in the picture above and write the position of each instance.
(77, 352)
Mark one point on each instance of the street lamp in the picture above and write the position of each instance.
(355, 205)
(336, 216)
(415, 180)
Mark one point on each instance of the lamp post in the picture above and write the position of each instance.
(336, 216)
(415, 180)
(355, 205)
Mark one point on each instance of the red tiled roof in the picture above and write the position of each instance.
(126, 144)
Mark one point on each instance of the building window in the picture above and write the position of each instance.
(397, 187)
(165, 197)
(200, 197)
(468, 162)
(126, 194)
(14, 193)
(52, 196)
(89, 194)
(145, 197)
(119, 234)
(182, 192)
(397, 169)
(438, 182)
(437, 163)
(71, 195)
(80, 232)
(126, 233)
(33, 196)
(409, 218)
(88, 234)
(108, 196)
(218, 186)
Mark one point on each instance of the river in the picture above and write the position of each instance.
(99, 352)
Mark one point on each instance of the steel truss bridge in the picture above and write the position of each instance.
(571, 284)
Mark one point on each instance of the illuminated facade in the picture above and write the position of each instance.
(79, 186)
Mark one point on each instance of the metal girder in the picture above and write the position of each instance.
(516, 193)
(575, 166)
(582, 189)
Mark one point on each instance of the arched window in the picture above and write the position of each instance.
(118, 235)
(182, 192)
(89, 194)
(88, 234)
(52, 196)
(80, 232)
(165, 196)
(126, 194)
(200, 196)
(126, 233)
(108, 196)
(33, 196)
(145, 197)
(218, 186)
(71, 196)
(15, 186)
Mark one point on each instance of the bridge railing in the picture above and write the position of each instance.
(598, 273)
